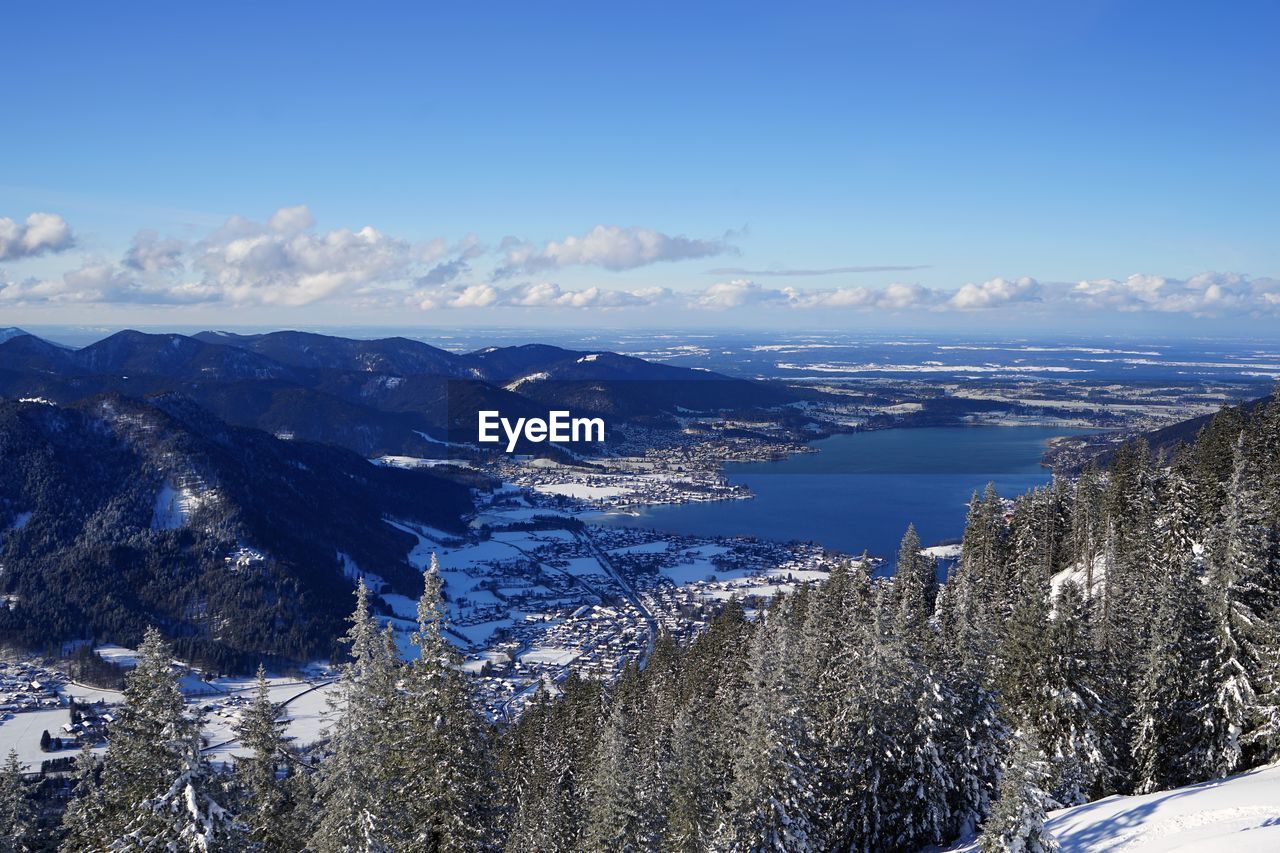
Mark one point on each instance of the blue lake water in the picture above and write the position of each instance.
(859, 491)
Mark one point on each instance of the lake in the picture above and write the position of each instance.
(859, 491)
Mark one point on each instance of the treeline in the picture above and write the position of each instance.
(1114, 634)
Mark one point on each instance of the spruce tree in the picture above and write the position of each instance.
(613, 819)
(17, 814)
(772, 797)
(1173, 716)
(973, 617)
(1088, 529)
(915, 586)
(1069, 718)
(1242, 573)
(687, 820)
(82, 817)
(438, 747)
(1020, 664)
(158, 790)
(352, 785)
(715, 695)
(1018, 823)
(262, 732)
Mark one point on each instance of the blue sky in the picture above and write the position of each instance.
(611, 164)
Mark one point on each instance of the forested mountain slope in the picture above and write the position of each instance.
(116, 514)
(1224, 423)
(390, 396)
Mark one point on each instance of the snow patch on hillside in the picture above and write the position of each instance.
(432, 440)
(19, 521)
(174, 506)
(1078, 574)
(532, 377)
(352, 571)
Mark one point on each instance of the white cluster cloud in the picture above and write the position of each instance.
(608, 247)
(41, 233)
(287, 261)
(995, 293)
(280, 262)
(534, 295)
(894, 297)
(738, 293)
(1208, 294)
(805, 273)
(283, 263)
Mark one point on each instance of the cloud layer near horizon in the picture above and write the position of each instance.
(40, 234)
(285, 261)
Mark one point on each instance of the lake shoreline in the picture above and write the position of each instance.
(860, 489)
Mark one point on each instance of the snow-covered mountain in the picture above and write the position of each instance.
(1239, 814)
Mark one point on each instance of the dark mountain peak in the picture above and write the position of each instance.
(29, 352)
(175, 355)
(397, 355)
(508, 364)
(10, 332)
(503, 364)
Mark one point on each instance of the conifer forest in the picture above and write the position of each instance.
(1114, 632)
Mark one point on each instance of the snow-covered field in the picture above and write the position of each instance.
(582, 490)
(1240, 814)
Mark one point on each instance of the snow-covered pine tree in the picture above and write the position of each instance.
(928, 778)
(1017, 825)
(1071, 713)
(975, 738)
(352, 784)
(17, 814)
(1021, 655)
(262, 732)
(1244, 586)
(81, 818)
(1123, 627)
(613, 816)
(1088, 528)
(158, 791)
(687, 828)
(714, 688)
(535, 813)
(1210, 461)
(772, 797)
(1171, 729)
(974, 600)
(831, 642)
(968, 625)
(438, 752)
(915, 588)
(546, 768)
(659, 703)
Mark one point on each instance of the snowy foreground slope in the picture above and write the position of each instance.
(1240, 814)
